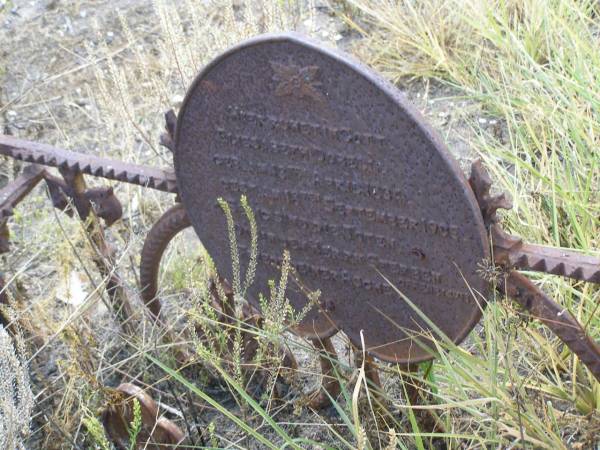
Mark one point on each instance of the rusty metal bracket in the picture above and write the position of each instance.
(15, 191)
(11, 195)
(101, 200)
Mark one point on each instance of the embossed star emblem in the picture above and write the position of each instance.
(296, 81)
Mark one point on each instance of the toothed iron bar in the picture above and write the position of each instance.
(510, 252)
(513, 252)
(33, 152)
(562, 323)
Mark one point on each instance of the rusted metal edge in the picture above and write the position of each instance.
(156, 432)
(173, 221)
(511, 253)
(16, 190)
(33, 152)
(555, 317)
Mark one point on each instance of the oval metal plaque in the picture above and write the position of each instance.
(343, 173)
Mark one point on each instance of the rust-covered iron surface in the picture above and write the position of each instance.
(341, 171)
(155, 433)
(15, 191)
(111, 169)
(511, 253)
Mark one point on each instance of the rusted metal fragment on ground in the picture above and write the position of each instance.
(112, 169)
(341, 171)
(156, 432)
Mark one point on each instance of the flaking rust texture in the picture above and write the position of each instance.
(343, 173)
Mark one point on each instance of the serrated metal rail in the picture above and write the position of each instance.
(511, 251)
(556, 261)
(33, 152)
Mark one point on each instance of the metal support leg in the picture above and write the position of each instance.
(330, 384)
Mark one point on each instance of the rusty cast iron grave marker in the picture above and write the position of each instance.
(341, 171)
